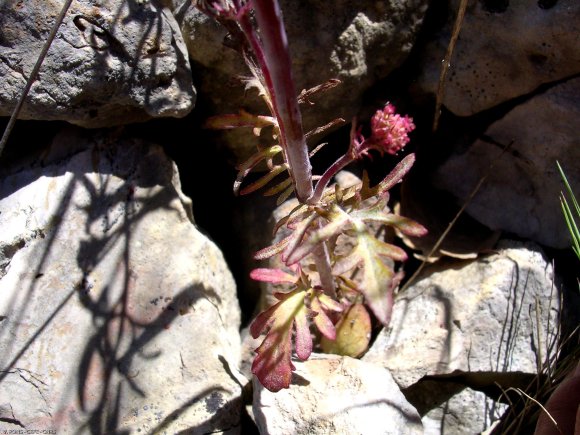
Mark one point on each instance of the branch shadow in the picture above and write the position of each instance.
(124, 181)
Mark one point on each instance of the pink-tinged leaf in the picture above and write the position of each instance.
(329, 304)
(321, 320)
(242, 119)
(353, 333)
(377, 213)
(273, 363)
(302, 339)
(405, 225)
(396, 175)
(338, 220)
(275, 276)
(296, 237)
(272, 250)
(387, 250)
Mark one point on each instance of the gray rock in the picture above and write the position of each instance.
(521, 192)
(449, 407)
(111, 62)
(503, 53)
(118, 315)
(332, 394)
(473, 316)
(356, 42)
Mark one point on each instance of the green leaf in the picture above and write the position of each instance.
(248, 165)
(262, 181)
(273, 365)
(353, 333)
(569, 214)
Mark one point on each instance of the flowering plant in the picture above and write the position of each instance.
(328, 284)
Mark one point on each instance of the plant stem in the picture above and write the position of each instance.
(284, 100)
(341, 163)
(277, 68)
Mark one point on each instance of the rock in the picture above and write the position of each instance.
(475, 316)
(118, 315)
(334, 394)
(111, 62)
(505, 50)
(357, 43)
(451, 408)
(521, 192)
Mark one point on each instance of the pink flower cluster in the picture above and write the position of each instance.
(389, 130)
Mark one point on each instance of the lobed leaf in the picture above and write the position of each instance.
(376, 278)
(273, 364)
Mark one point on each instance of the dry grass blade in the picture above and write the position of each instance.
(447, 61)
(33, 75)
(523, 393)
(454, 220)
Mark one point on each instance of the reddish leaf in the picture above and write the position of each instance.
(396, 175)
(273, 365)
(275, 276)
(321, 319)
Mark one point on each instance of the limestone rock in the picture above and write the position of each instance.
(332, 394)
(505, 50)
(451, 408)
(111, 62)
(117, 314)
(473, 316)
(521, 193)
(356, 42)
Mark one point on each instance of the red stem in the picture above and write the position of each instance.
(279, 66)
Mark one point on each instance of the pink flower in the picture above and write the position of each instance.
(389, 130)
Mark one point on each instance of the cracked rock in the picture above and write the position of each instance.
(505, 50)
(495, 315)
(331, 394)
(118, 314)
(111, 62)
